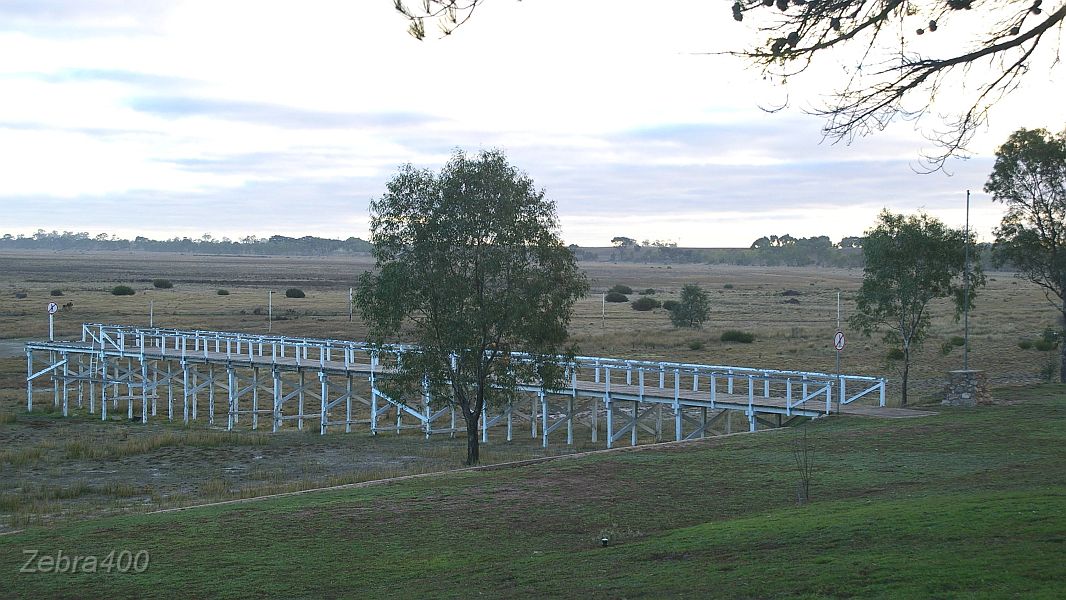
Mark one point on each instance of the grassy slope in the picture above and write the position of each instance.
(963, 503)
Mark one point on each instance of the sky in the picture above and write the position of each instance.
(233, 118)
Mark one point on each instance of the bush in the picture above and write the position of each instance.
(1043, 345)
(957, 340)
(645, 303)
(55, 293)
(733, 335)
(122, 290)
(671, 304)
(621, 289)
(162, 284)
(21, 295)
(648, 292)
(692, 309)
(895, 354)
(223, 292)
(790, 293)
(295, 293)
(695, 345)
(1052, 336)
(728, 286)
(616, 297)
(1025, 344)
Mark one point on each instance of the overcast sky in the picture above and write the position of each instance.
(166, 118)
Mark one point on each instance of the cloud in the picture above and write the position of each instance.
(177, 107)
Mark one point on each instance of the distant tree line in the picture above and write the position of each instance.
(206, 244)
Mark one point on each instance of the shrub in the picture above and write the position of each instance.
(223, 292)
(162, 284)
(648, 292)
(728, 286)
(295, 293)
(55, 293)
(692, 309)
(122, 290)
(695, 345)
(733, 335)
(1052, 336)
(957, 340)
(621, 289)
(616, 297)
(645, 303)
(1043, 345)
(671, 304)
(258, 310)
(790, 293)
(1025, 344)
(895, 354)
(21, 295)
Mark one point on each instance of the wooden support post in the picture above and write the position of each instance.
(636, 415)
(170, 392)
(323, 399)
(610, 420)
(231, 380)
(144, 391)
(276, 374)
(570, 421)
(185, 391)
(211, 392)
(300, 395)
(348, 405)
(255, 394)
(66, 394)
(103, 387)
(29, 382)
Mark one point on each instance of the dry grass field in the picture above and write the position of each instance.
(53, 467)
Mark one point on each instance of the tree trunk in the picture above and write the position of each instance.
(906, 372)
(472, 439)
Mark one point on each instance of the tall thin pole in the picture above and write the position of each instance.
(270, 309)
(351, 303)
(603, 310)
(838, 329)
(966, 294)
(151, 313)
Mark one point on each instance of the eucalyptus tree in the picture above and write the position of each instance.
(911, 261)
(469, 265)
(1029, 177)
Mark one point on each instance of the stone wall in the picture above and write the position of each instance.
(967, 388)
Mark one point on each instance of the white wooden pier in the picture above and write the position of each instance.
(257, 381)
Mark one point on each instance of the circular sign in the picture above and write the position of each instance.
(838, 340)
(52, 308)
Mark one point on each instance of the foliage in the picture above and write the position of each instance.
(1029, 177)
(896, 73)
(891, 71)
(648, 292)
(295, 293)
(162, 284)
(645, 303)
(615, 297)
(696, 345)
(56, 292)
(733, 335)
(276, 245)
(1025, 344)
(693, 308)
(222, 292)
(911, 261)
(894, 354)
(621, 289)
(469, 265)
(671, 305)
(123, 290)
(728, 286)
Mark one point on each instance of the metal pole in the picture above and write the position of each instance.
(270, 308)
(966, 294)
(351, 303)
(51, 328)
(838, 329)
(603, 310)
(151, 313)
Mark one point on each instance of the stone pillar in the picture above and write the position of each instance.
(967, 388)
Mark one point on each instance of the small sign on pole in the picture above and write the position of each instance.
(838, 340)
(52, 308)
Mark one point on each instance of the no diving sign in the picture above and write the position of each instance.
(52, 308)
(838, 340)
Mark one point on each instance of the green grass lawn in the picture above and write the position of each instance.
(967, 503)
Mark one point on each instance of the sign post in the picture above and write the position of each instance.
(52, 308)
(270, 308)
